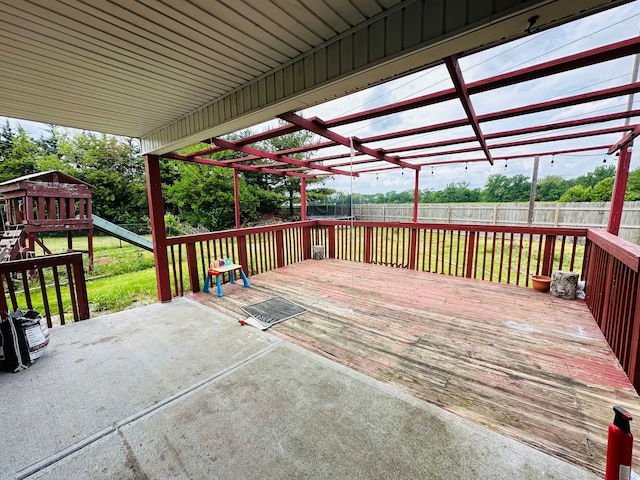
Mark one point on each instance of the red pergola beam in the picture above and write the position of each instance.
(317, 126)
(521, 155)
(463, 94)
(528, 141)
(278, 158)
(601, 54)
(258, 137)
(495, 158)
(248, 168)
(563, 102)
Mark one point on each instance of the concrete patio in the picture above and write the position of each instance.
(178, 390)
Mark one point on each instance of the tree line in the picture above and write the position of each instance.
(194, 195)
(595, 186)
(198, 195)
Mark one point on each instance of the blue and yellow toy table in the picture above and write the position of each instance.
(219, 270)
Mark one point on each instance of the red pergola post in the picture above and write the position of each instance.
(416, 196)
(303, 199)
(158, 231)
(236, 197)
(619, 190)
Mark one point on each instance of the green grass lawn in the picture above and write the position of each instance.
(123, 275)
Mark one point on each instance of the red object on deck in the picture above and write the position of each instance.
(619, 446)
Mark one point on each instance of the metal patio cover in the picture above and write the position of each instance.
(173, 72)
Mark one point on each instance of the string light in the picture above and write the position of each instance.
(376, 177)
(505, 163)
(604, 159)
(466, 166)
(431, 170)
(552, 157)
(402, 173)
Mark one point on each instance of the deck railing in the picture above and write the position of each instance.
(611, 272)
(493, 253)
(24, 283)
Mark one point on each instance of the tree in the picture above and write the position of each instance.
(18, 153)
(599, 173)
(288, 186)
(603, 190)
(458, 192)
(551, 188)
(633, 186)
(577, 193)
(114, 167)
(500, 188)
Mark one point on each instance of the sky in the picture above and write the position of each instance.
(607, 27)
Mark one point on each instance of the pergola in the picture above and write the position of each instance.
(366, 155)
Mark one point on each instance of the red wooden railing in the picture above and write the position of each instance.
(486, 252)
(257, 249)
(17, 277)
(493, 253)
(611, 271)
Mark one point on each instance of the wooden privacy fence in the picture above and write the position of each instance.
(546, 214)
(65, 272)
(611, 271)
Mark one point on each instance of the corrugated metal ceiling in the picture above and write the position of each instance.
(131, 67)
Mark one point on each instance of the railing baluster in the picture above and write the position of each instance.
(74, 304)
(45, 298)
(56, 282)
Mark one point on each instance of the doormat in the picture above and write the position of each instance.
(274, 310)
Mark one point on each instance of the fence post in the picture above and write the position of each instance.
(471, 247)
(547, 259)
(192, 266)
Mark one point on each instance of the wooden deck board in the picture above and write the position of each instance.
(525, 364)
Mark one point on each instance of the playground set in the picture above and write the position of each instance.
(52, 201)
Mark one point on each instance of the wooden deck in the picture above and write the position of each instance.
(526, 364)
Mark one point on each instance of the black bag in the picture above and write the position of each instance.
(14, 352)
(23, 338)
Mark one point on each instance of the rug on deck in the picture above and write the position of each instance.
(274, 310)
